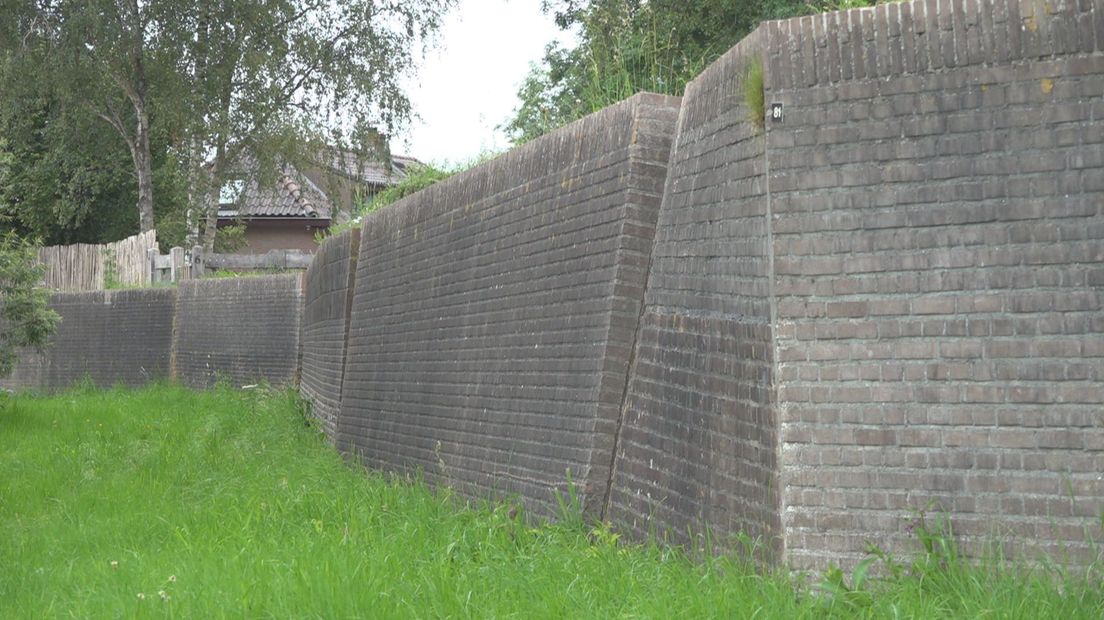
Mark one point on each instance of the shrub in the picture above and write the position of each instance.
(25, 319)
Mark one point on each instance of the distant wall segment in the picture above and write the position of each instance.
(110, 337)
(242, 329)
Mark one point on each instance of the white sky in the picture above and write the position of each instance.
(468, 85)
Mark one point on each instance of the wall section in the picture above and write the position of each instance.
(244, 329)
(110, 337)
(697, 446)
(327, 302)
(494, 312)
(937, 189)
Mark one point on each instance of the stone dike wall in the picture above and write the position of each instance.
(109, 337)
(494, 312)
(874, 293)
(242, 330)
(698, 442)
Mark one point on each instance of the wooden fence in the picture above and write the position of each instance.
(180, 264)
(89, 267)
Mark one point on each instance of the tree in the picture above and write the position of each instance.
(282, 79)
(69, 179)
(25, 319)
(628, 46)
(231, 83)
(77, 165)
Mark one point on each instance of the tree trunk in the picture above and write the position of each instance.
(197, 194)
(211, 225)
(144, 167)
(211, 202)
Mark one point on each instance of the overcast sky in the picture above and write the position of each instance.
(469, 84)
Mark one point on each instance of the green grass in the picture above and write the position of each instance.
(231, 506)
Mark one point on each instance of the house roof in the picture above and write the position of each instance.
(294, 195)
(370, 171)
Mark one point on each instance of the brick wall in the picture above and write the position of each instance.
(494, 312)
(936, 190)
(243, 329)
(697, 445)
(327, 299)
(111, 337)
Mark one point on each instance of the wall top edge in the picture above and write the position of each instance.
(594, 136)
(922, 36)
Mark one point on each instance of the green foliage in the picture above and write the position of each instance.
(229, 505)
(71, 177)
(625, 46)
(111, 270)
(230, 238)
(754, 96)
(181, 94)
(629, 46)
(25, 319)
(417, 179)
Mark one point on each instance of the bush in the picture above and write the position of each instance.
(417, 179)
(25, 319)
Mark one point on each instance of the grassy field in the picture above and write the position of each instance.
(169, 503)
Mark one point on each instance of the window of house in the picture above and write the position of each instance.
(231, 191)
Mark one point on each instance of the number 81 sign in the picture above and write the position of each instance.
(776, 112)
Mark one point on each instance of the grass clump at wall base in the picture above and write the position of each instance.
(165, 502)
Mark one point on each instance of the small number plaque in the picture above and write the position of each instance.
(776, 113)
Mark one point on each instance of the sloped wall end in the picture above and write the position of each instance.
(242, 329)
(493, 314)
(697, 450)
(327, 301)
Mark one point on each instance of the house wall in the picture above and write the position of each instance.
(281, 234)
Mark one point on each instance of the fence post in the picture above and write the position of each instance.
(197, 261)
(176, 264)
(151, 265)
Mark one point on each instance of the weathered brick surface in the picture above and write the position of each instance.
(328, 296)
(697, 445)
(243, 329)
(110, 337)
(494, 312)
(938, 242)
